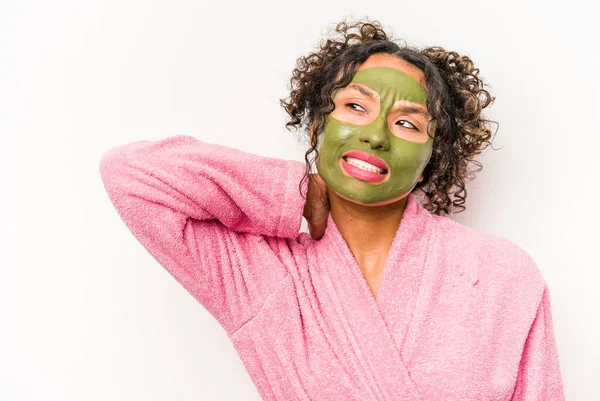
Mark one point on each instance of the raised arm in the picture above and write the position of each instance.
(539, 377)
(243, 191)
(208, 213)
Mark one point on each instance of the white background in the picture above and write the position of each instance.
(87, 314)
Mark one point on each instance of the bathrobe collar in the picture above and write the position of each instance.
(378, 346)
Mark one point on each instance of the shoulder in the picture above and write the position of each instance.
(491, 257)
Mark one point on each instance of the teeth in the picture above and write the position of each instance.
(363, 165)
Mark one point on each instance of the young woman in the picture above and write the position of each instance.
(386, 299)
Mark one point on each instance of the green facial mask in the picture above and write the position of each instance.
(406, 159)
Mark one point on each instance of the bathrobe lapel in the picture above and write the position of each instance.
(373, 331)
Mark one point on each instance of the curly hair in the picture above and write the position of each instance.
(456, 98)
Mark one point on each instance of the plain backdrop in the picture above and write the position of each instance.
(87, 314)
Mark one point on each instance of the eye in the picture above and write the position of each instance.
(406, 124)
(356, 107)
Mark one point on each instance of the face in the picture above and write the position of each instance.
(375, 144)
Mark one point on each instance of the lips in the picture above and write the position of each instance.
(361, 173)
(367, 157)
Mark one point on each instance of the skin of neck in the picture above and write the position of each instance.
(367, 230)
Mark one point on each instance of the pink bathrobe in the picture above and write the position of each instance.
(459, 315)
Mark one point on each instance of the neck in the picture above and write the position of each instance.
(368, 230)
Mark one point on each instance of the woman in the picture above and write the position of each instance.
(386, 299)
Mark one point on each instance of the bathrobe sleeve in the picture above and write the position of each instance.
(539, 377)
(215, 217)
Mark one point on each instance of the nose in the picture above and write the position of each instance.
(376, 138)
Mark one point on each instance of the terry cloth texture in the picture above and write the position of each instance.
(460, 314)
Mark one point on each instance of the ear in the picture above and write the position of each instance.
(421, 178)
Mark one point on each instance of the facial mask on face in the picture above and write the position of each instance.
(403, 159)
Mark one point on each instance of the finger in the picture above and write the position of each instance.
(319, 222)
(317, 232)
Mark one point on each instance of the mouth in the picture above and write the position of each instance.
(364, 166)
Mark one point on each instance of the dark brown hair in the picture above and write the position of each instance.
(456, 98)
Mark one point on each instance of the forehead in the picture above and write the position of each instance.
(390, 85)
(390, 61)
(391, 78)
